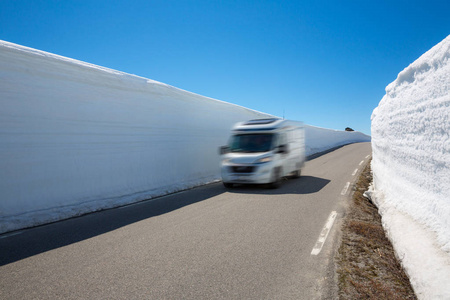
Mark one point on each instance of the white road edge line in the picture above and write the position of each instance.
(324, 234)
(361, 162)
(354, 172)
(344, 190)
(146, 200)
(10, 234)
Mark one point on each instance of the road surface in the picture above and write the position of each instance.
(205, 243)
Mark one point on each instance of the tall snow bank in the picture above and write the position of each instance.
(321, 139)
(411, 166)
(76, 137)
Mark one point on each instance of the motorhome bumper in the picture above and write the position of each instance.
(237, 174)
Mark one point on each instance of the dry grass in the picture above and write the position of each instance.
(366, 263)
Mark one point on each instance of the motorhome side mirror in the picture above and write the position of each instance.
(282, 149)
(224, 150)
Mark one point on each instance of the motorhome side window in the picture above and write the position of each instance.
(251, 142)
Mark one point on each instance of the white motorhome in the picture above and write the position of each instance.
(263, 151)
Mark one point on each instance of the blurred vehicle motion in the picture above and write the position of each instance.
(263, 151)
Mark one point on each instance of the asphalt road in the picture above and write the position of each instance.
(205, 243)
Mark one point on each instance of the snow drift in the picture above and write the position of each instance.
(75, 137)
(411, 166)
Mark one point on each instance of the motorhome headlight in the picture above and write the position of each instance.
(226, 161)
(264, 160)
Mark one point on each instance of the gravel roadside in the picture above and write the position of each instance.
(366, 264)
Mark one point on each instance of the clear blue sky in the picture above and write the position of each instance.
(326, 63)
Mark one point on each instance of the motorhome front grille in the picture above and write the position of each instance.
(242, 169)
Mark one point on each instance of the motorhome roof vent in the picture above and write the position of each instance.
(261, 121)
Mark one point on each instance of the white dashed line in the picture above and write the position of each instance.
(344, 190)
(354, 172)
(361, 162)
(367, 156)
(324, 234)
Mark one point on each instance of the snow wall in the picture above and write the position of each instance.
(321, 139)
(411, 166)
(76, 138)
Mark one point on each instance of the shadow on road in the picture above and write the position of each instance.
(44, 238)
(301, 186)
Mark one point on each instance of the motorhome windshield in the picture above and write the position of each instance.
(251, 143)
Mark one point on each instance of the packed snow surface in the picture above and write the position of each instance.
(411, 166)
(76, 137)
